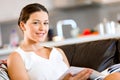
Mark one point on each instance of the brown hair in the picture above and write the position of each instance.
(28, 10)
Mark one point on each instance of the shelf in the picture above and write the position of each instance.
(80, 40)
(67, 41)
(106, 1)
(6, 51)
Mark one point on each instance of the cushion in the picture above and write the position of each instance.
(3, 71)
(118, 49)
(97, 55)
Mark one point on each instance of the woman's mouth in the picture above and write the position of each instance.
(40, 34)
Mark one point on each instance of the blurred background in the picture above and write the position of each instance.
(86, 15)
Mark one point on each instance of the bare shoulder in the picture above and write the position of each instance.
(13, 55)
(13, 58)
(60, 50)
(16, 67)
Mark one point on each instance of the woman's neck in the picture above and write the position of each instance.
(30, 46)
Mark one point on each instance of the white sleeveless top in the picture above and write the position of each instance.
(39, 68)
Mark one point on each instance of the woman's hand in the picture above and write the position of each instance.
(82, 75)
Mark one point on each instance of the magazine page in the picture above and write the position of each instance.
(74, 70)
(111, 69)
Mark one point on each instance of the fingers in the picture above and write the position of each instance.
(67, 77)
(3, 61)
(83, 75)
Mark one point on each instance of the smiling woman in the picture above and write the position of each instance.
(37, 26)
(38, 62)
(34, 23)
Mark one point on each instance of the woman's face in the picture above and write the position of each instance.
(37, 26)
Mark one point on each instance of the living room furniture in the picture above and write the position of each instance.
(98, 54)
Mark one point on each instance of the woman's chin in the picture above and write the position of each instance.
(41, 40)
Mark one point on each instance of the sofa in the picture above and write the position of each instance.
(97, 55)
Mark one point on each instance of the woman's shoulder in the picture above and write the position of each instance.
(60, 50)
(56, 48)
(13, 56)
(13, 60)
(63, 55)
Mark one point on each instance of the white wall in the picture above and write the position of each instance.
(10, 9)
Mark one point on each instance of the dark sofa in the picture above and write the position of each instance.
(97, 55)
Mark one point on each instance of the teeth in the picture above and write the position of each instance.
(40, 34)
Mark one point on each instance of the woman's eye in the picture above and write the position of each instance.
(46, 23)
(35, 22)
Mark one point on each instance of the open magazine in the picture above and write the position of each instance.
(95, 74)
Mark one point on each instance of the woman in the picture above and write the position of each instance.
(30, 61)
(113, 76)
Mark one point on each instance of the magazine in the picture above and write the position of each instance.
(95, 74)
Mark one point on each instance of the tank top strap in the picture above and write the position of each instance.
(24, 57)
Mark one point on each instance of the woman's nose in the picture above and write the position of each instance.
(41, 27)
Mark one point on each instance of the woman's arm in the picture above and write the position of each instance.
(113, 76)
(16, 67)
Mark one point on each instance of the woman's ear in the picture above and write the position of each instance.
(22, 26)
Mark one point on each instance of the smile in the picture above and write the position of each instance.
(40, 34)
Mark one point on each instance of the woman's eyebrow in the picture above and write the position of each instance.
(36, 20)
(40, 20)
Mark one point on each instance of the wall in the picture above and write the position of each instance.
(6, 29)
(86, 17)
(10, 9)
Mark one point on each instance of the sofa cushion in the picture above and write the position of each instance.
(118, 49)
(97, 55)
(3, 71)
